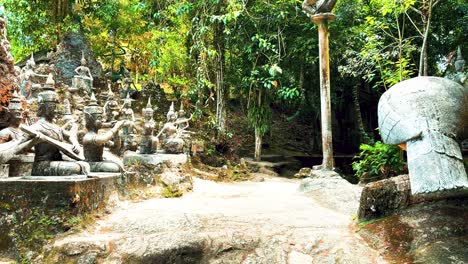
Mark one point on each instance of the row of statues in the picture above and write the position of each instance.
(61, 147)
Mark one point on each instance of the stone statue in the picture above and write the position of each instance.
(15, 113)
(172, 141)
(148, 143)
(111, 106)
(313, 7)
(27, 86)
(93, 143)
(83, 80)
(460, 67)
(126, 89)
(427, 113)
(129, 130)
(182, 118)
(67, 115)
(48, 160)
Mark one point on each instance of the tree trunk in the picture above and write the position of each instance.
(325, 102)
(220, 88)
(357, 109)
(114, 43)
(258, 145)
(423, 63)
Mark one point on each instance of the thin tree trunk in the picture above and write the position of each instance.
(258, 145)
(357, 109)
(423, 63)
(114, 43)
(220, 88)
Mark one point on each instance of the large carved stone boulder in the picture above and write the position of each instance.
(427, 114)
(68, 57)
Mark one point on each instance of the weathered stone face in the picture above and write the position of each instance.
(428, 114)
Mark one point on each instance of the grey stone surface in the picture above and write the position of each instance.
(428, 114)
(176, 181)
(154, 159)
(248, 222)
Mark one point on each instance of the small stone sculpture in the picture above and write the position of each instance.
(28, 87)
(93, 143)
(427, 113)
(148, 143)
(172, 141)
(129, 130)
(460, 67)
(318, 6)
(126, 89)
(48, 159)
(111, 107)
(83, 81)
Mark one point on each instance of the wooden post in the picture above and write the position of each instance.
(322, 20)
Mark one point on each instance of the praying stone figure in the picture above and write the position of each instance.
(48, 160)
(83, 81)
(313, 7)
(172, 141)
(28, 87)
(94, 143)
(148, 143)
(427, 114)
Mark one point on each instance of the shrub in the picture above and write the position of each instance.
(378, 161)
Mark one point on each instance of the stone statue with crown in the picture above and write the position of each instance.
(94, 143)
(83, 80)
(28, 88)
(148, 142)
(111, 107)
(55, 141)
(172, 141)
(129, 131)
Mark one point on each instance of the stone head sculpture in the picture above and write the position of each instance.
(47, 100)
(15, 107)
(148, 111)
(83, 60)
(171, 114)
(427, 114)
(93, 114)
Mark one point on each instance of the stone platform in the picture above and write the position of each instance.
(20, 196)
(172, 160)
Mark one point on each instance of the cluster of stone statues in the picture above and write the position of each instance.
(73, 144)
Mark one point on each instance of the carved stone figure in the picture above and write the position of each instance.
(172, 141)
(111, 107)
(129, 130)
(27, 86)
(181, 117)
(48, 160)
(83, 81)
(15, 113)
(93, 143)
(318, 6)
(148, 143)
(460, 76)
(127, 89)
(427, 113)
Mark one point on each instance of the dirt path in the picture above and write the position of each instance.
(247, 222)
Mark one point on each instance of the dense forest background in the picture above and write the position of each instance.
(258, 58)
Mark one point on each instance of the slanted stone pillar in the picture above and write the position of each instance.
(322, 20)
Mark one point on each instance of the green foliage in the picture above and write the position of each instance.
(378, 161)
